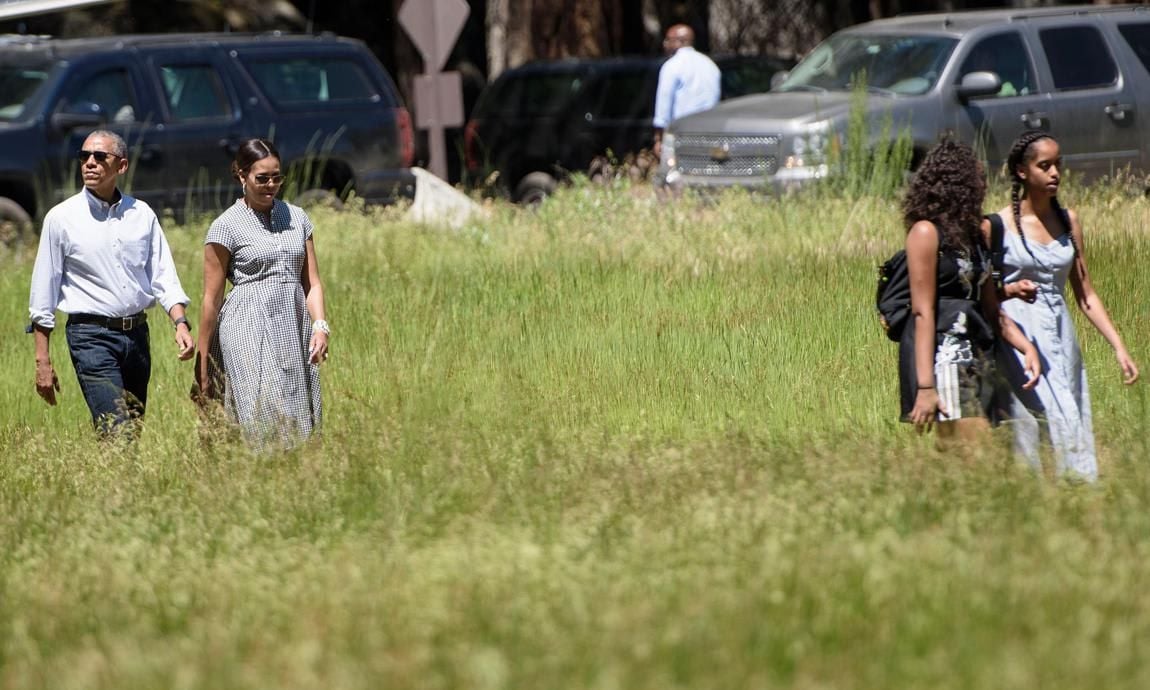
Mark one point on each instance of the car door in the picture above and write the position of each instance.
(614, 114)
(992, 122)
(1092, 110)
(201, 133)
(1134, 35)
(112, 90)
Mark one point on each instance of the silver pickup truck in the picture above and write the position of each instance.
(1080, 73)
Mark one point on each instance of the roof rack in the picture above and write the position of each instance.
(1019, 14)
(1073, 10)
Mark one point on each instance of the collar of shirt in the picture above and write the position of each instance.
(97, 204)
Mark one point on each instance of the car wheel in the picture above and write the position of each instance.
(15, 223)
(534, 188)
(318, 197)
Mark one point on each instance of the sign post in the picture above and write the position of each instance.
(434, 26)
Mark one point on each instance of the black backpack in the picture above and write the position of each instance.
(892, 293)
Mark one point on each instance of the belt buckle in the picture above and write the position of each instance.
(127, 323)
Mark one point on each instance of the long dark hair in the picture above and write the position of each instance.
(1022, 153)
(251, 151)
(948, 190)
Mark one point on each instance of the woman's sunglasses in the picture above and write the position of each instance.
(100, 156)
(269, 179)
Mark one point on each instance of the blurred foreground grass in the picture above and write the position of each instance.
(608, 444)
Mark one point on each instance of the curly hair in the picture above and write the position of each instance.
(1021, 153)
(948, 190)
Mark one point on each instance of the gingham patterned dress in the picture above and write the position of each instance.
(264, 329)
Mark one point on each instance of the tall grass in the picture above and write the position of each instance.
(608, 443)
(871, 161)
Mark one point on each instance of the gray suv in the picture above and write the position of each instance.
(984, 76)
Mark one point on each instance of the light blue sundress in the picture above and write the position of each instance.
(1060, 403)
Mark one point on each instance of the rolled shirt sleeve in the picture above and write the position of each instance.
(47, 274)
(166, 286)
(663, 95)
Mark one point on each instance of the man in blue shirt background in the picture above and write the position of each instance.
(689, 82)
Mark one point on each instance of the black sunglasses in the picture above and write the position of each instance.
(265, 179)
(100, 156)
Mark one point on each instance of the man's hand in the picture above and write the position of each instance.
(47, 383)
(185, 342)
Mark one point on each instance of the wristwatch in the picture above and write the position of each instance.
(183, 320)
(321, 327)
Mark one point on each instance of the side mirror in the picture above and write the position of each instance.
(975, 84)
(778, 78)
(79, 114)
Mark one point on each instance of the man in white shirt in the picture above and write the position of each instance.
(689, 82)
(103, 259)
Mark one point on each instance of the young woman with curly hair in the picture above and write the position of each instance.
(1043, 248)
(946, 355)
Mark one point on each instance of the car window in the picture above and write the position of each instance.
(110, 89)
(624, 95)
(1005, 55)
(747, 77)
(549, 94)
(529, 94)
(901, 64)
(194, 92)
(1078, 57)
(18, 85)
(1138, 38)
(317, 80)
(499, 98)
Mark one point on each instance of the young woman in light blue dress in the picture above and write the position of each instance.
(1043, 250)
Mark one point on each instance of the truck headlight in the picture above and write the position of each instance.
(807, 150)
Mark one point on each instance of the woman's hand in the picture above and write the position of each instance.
(926, 409)
(317, 351)
(1129, 368)
(202, 388)
(1032, 364)
(1025, 290)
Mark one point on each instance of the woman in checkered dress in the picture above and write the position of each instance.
(263, 347)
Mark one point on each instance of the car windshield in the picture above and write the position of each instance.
(19, 86)
(908, 65)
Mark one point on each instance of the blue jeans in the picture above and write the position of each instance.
(113, 368)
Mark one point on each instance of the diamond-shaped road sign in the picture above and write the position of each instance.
(433, 26)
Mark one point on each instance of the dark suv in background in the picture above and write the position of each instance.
(184, 103)
(537, 123)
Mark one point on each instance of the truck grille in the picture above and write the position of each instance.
(727, 156)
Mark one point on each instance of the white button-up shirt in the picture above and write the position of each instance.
(101, 258)
(689, 82)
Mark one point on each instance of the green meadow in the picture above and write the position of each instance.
(612, 443)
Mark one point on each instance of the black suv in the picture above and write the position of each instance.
(185, 102)
(537, 123)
